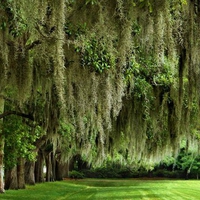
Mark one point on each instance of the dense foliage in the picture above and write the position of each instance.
(97, 79)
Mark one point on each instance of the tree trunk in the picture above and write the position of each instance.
(49, 174)
(62, 170)
(187, 172)
(11, 180)
(29, 173)
(20, 173)
(1, 148)
(53, 160)
(39, 175)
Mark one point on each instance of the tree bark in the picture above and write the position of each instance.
(29, 173)
(53, 161)
(16, 113)
(1, 148)
(62, 170)
(1, 167)
(49, 173)
(11, 179)
(20, 173)
(39, 177)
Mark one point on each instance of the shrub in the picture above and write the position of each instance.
(76, 175)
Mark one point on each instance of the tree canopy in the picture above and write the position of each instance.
(100, 78)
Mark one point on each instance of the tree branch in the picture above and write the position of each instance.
(41, 33)
(16, 113)
(33, 44)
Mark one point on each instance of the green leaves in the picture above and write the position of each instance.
(92, 2)
(145, 69)
(75, 31)
(183, 2)
(143, 4)
(66, 129)
(94, 55)
(3, 25)
(15, 20)
(19, 140)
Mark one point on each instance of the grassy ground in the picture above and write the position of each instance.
(109, 190)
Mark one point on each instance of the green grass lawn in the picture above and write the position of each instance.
(108, 189)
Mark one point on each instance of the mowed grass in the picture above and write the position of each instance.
(108, 189)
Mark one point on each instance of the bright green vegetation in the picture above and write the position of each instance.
(97, 80)
(109, 189)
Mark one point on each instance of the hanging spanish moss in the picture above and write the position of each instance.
(34, 38)
(117, 76)
(58, 21)
(4, 63)
(141, 98)
(3, 52)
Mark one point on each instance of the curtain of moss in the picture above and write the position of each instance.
(126, 71)
(151, 109)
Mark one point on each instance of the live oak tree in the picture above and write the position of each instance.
(141, 76)
(117, 76)
(24, 73)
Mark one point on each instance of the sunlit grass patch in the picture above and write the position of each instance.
(109, 189)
